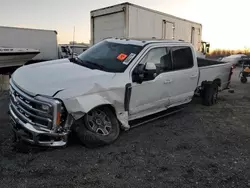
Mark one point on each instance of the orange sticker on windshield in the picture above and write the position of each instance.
(122, 56)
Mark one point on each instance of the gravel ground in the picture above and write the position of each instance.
(198, 147)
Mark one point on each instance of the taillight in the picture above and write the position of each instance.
(231, 72)
(230, 75)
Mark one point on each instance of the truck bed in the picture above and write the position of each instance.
(203, 62)
(211, 70)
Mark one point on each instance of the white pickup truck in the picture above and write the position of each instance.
(99, 92)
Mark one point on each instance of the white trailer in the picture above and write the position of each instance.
(43, 40)
(127, 20)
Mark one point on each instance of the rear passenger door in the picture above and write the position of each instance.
(184, 75)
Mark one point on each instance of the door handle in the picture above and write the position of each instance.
(167, 81)
(194, 76)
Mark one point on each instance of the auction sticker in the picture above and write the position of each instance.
(129, 58)
(122, 57)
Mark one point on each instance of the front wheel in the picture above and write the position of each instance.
(243, 79)
(98, 127)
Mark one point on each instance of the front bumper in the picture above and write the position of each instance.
(33, 135)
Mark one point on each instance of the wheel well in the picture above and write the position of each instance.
(106, 105)
(112, 109)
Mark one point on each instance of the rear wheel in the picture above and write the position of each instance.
(243, 79)
(210, 94)
(98, 127)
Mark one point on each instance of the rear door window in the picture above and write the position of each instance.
(182, 58)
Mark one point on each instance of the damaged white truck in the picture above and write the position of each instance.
(99, 92)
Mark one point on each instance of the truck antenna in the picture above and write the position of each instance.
(73, 42)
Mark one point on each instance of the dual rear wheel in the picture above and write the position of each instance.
(210, 94)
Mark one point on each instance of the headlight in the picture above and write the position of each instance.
(45, 107)
(53, 107)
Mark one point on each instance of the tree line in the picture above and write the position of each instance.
(217, 53)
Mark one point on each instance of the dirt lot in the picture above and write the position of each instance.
(198, 147)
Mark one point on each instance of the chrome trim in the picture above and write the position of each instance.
(36, 132)
(35, 116)
(31, 99)
(31, 123)
(27, 104)
(24, 118)
(18, 107)
(45, 114)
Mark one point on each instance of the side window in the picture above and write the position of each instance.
(161, 57)
(182, 58)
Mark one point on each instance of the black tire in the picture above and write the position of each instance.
(243, 79)
(92, 139)
(210, 94)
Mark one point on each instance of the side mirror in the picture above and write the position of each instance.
(144, 72)
(150, 67)
(149, 71)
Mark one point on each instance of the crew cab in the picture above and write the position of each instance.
(99, 92)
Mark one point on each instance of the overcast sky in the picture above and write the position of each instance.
(225, 22)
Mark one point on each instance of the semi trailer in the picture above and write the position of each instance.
(128, 20)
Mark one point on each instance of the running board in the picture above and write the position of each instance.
(150, 118)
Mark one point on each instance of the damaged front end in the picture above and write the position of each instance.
(38, 120)
(82, 104)
(47, 121)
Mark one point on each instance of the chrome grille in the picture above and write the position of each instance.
(26, 108)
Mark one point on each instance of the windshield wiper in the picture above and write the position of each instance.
(96, 65)
(89, 64)
(78, 61)
(100, 67)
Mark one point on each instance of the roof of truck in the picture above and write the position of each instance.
(143, 42)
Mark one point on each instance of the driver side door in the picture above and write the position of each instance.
(150, 96)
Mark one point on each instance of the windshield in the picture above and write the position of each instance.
(110, 56)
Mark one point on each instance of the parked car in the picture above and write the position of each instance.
(99, 92)
(235, 59)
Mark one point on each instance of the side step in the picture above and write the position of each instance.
(150, 118)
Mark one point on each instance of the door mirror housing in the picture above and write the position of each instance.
(150, 67)
(144, 72)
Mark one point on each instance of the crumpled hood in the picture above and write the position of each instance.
(47, 78)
